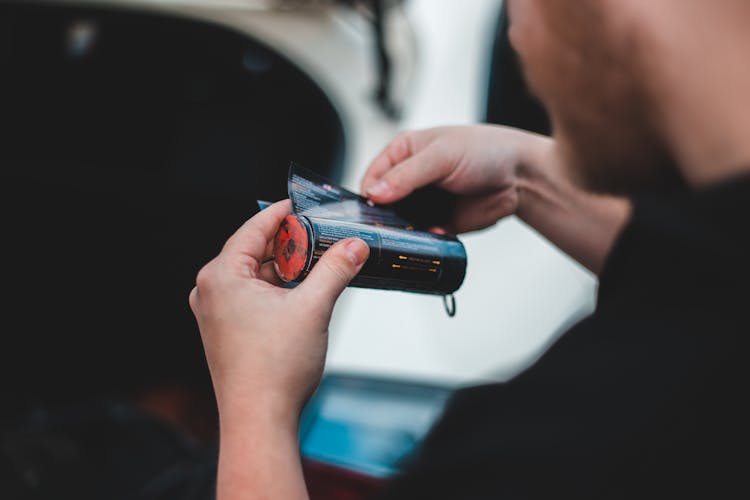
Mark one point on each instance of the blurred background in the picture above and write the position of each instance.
(137, 135)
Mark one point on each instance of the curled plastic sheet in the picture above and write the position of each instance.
(402, 257)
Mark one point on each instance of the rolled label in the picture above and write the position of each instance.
(401, 256)
(400, 259)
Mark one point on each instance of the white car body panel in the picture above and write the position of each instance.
(520, 291)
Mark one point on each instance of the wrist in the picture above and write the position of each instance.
(257, 410)
(257, 427)
(534, 171)
(259, 454)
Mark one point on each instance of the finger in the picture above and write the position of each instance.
(333, 272)
(400, 148)
(268, 274)
(417, 171)
(254, 236)
(479, 212)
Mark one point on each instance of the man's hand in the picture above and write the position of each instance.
(496, 172)
(265, 344)
(479, 163)
(265, 347)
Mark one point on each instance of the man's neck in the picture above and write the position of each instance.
(700, 83)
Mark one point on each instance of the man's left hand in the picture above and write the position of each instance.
(265, 344)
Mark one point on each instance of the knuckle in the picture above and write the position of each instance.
(337, 269)
(193, 299)
(205, 277)
(400, 147)
(408, 142)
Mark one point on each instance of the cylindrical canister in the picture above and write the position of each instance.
(400, 259)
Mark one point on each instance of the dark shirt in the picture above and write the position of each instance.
(644, 398)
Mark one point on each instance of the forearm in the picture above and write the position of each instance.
(582, 224)
(259, 458)
(265, 347)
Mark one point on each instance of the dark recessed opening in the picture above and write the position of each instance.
(132, 145)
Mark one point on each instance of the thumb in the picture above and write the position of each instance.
(335, 269)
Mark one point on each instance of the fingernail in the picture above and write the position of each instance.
(357, 251)
(380, 188)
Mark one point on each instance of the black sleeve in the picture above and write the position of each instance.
(642, 399)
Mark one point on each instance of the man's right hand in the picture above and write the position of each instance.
(479, 163)
(495, 172)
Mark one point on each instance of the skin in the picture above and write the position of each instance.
(641, 93)
(497, 172)
(252, 328)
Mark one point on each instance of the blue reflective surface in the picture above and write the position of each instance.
(368, 425)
